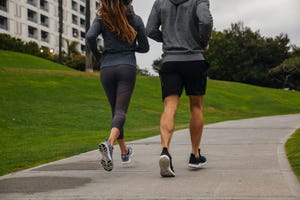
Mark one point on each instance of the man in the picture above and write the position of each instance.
(184, 27)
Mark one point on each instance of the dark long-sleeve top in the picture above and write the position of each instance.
(116, 50)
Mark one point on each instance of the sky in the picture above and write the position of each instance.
(270, 17)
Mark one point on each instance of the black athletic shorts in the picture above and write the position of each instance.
(191, 75)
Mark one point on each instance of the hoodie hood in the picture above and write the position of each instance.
(177, 2)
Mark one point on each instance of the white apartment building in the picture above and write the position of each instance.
(37, 20)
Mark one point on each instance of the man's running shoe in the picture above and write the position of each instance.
(196, 163)
(106, 151)
(126, 158)
(165, 164)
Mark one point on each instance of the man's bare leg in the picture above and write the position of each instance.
(166, 132)
(196, 123)
(167, 119)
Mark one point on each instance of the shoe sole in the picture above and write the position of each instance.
(106, 160)
(165, 169)
(129, 160)
(196, 166)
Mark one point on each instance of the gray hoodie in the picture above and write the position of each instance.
(183, 26)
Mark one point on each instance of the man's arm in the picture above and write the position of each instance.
(205, 22)
(153, 24)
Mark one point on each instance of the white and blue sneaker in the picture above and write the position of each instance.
(126, 158)
(106, 151)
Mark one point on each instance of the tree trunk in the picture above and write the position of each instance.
(88, 56)
(60, 30)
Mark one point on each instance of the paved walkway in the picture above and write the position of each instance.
(246, 160)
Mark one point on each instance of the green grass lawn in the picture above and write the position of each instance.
(48, 111)
(292, 147)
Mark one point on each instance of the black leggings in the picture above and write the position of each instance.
(118, 83)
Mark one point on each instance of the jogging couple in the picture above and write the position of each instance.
(184, 27)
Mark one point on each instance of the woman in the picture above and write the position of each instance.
(124, 34)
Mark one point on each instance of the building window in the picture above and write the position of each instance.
(31, 15)
(44, 36)
(3, 5)
(82, 35)
(74, 5)
(82, 23)
(44, 5)
(32, 2)
(82, 48)
(32, 32)
(75, 33)
(74, 19)
(44, 20)
(82, 10)
(3, 23)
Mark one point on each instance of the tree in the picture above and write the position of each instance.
(288, 73)
(71, 47)
(73, 58)
(142, 72)
(156, 65)
(295, 50)
(60, 30)
(241, 55)
(88, 55)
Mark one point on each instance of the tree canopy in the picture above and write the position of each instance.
(241, 55)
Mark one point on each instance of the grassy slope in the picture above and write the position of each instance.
(48, 111)
(293, 152)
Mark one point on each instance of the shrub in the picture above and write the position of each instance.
(77, 62)
(10, 43)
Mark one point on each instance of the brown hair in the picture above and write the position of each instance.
(113, 14)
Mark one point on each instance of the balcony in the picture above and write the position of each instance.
(3, 5)
(75, 19)
(32, 2)
(44, 21)
(44, 36)
(75, 33)
(82, 23)
(82, 10)
(82, 48)
(74, 6)
(32, 32)
(32, 16)
(82, 35)
(44, 5)
(3, 23)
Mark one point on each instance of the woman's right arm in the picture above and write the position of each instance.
(91, 38)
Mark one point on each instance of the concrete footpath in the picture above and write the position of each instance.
(246, 160)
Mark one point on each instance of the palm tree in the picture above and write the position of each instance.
(88, 55)
(71, 47)
(60, 29)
